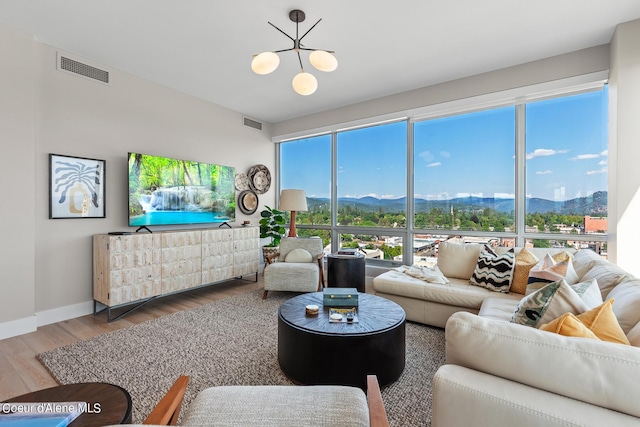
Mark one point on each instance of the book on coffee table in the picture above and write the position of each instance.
(343, 315)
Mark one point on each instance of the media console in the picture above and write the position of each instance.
(133, 269)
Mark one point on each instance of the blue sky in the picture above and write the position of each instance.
(471, 154)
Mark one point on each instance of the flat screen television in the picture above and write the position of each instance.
(166, 191)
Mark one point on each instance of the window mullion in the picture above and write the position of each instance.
(520, 165)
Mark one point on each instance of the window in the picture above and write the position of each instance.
(464, 171)
(306, 164)
(566, 164)
(528, 173)
(372, 176)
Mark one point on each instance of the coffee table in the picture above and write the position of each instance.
(312, 350)
(108, 403)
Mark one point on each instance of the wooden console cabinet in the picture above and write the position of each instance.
(135, 268)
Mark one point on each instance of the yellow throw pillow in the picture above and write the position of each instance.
(525, 260)
(603, 323)
(569, 326)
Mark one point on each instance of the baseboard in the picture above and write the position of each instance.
(17, 327)
(61, 314)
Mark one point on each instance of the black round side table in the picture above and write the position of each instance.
(345, 271)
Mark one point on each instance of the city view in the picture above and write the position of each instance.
(464, 177)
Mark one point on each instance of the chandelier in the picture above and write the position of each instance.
(303, 83)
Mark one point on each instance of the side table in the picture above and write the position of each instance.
(346, 271)
(106, 403)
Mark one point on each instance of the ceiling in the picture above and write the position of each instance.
(204, 47)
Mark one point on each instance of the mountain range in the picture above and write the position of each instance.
(596, 204)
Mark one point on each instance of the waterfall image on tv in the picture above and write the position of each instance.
(165, 191)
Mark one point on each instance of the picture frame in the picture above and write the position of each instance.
(76, 187)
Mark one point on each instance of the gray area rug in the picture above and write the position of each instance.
(228, 342)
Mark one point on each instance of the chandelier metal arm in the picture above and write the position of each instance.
(312, 27)
(288, 36)
(300, 60)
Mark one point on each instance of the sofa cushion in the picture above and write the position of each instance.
(456, 260)
(627, 303)
(597, 372)
(548, 303)
(584, 260)
(499, 308)
(458, 292)
(492, 271)
(608, 276)
(524, 262)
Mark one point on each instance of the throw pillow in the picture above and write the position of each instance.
(569, 326)
(548, 303)
(603, 323)
(525, 261)
(589, 291)
(493, 271)
(457, 260)
(551, 269)
(298, 255)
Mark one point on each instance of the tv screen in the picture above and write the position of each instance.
(166, 191)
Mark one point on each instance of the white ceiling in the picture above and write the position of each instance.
(204, 47)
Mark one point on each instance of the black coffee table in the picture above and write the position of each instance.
(312, 350)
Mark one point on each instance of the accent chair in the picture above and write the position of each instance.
(296, 267)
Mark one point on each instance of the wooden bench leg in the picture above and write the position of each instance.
(264, 294)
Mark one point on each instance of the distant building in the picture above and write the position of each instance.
(595, 225)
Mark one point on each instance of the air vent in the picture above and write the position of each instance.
(252, 123)
(73, 66)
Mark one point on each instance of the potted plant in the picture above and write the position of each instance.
(271, 225)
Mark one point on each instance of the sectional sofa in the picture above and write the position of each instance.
(499, 373)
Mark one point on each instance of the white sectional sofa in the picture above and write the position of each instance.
(499, 373)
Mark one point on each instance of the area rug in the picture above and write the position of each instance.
(228, 342)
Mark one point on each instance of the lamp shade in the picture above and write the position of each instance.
(293, 200)
(265, 63)
(304, 83)
(323, 60)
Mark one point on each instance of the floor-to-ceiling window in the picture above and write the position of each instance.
(521, 173)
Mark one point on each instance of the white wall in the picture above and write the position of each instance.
(572, 64)
(624, 143)
(17, 108)
(49, 261)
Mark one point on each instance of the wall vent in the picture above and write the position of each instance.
(252, 123)
(73, 66)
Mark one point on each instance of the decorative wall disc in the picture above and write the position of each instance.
(259, 179)
(242, 182)
(248, 202)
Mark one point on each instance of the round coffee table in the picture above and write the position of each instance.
(106, 403)
(312, 350)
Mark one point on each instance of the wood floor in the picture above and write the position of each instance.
(21, 373)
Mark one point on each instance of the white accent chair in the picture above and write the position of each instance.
(274, 405)
(281, 274)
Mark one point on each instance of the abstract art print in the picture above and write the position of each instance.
(76, 187)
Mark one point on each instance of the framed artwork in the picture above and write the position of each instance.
(76, 187)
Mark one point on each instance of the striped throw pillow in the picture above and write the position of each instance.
(493, 271)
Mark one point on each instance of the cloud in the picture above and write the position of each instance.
(547, 172)
(445, 154)
(433, 165)
(603, 170)
(427, 156)
(605, 153)
(585, 156)
(602, 163)
(341, 169)
(543, 152)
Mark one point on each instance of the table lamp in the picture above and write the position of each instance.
(293, 200)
